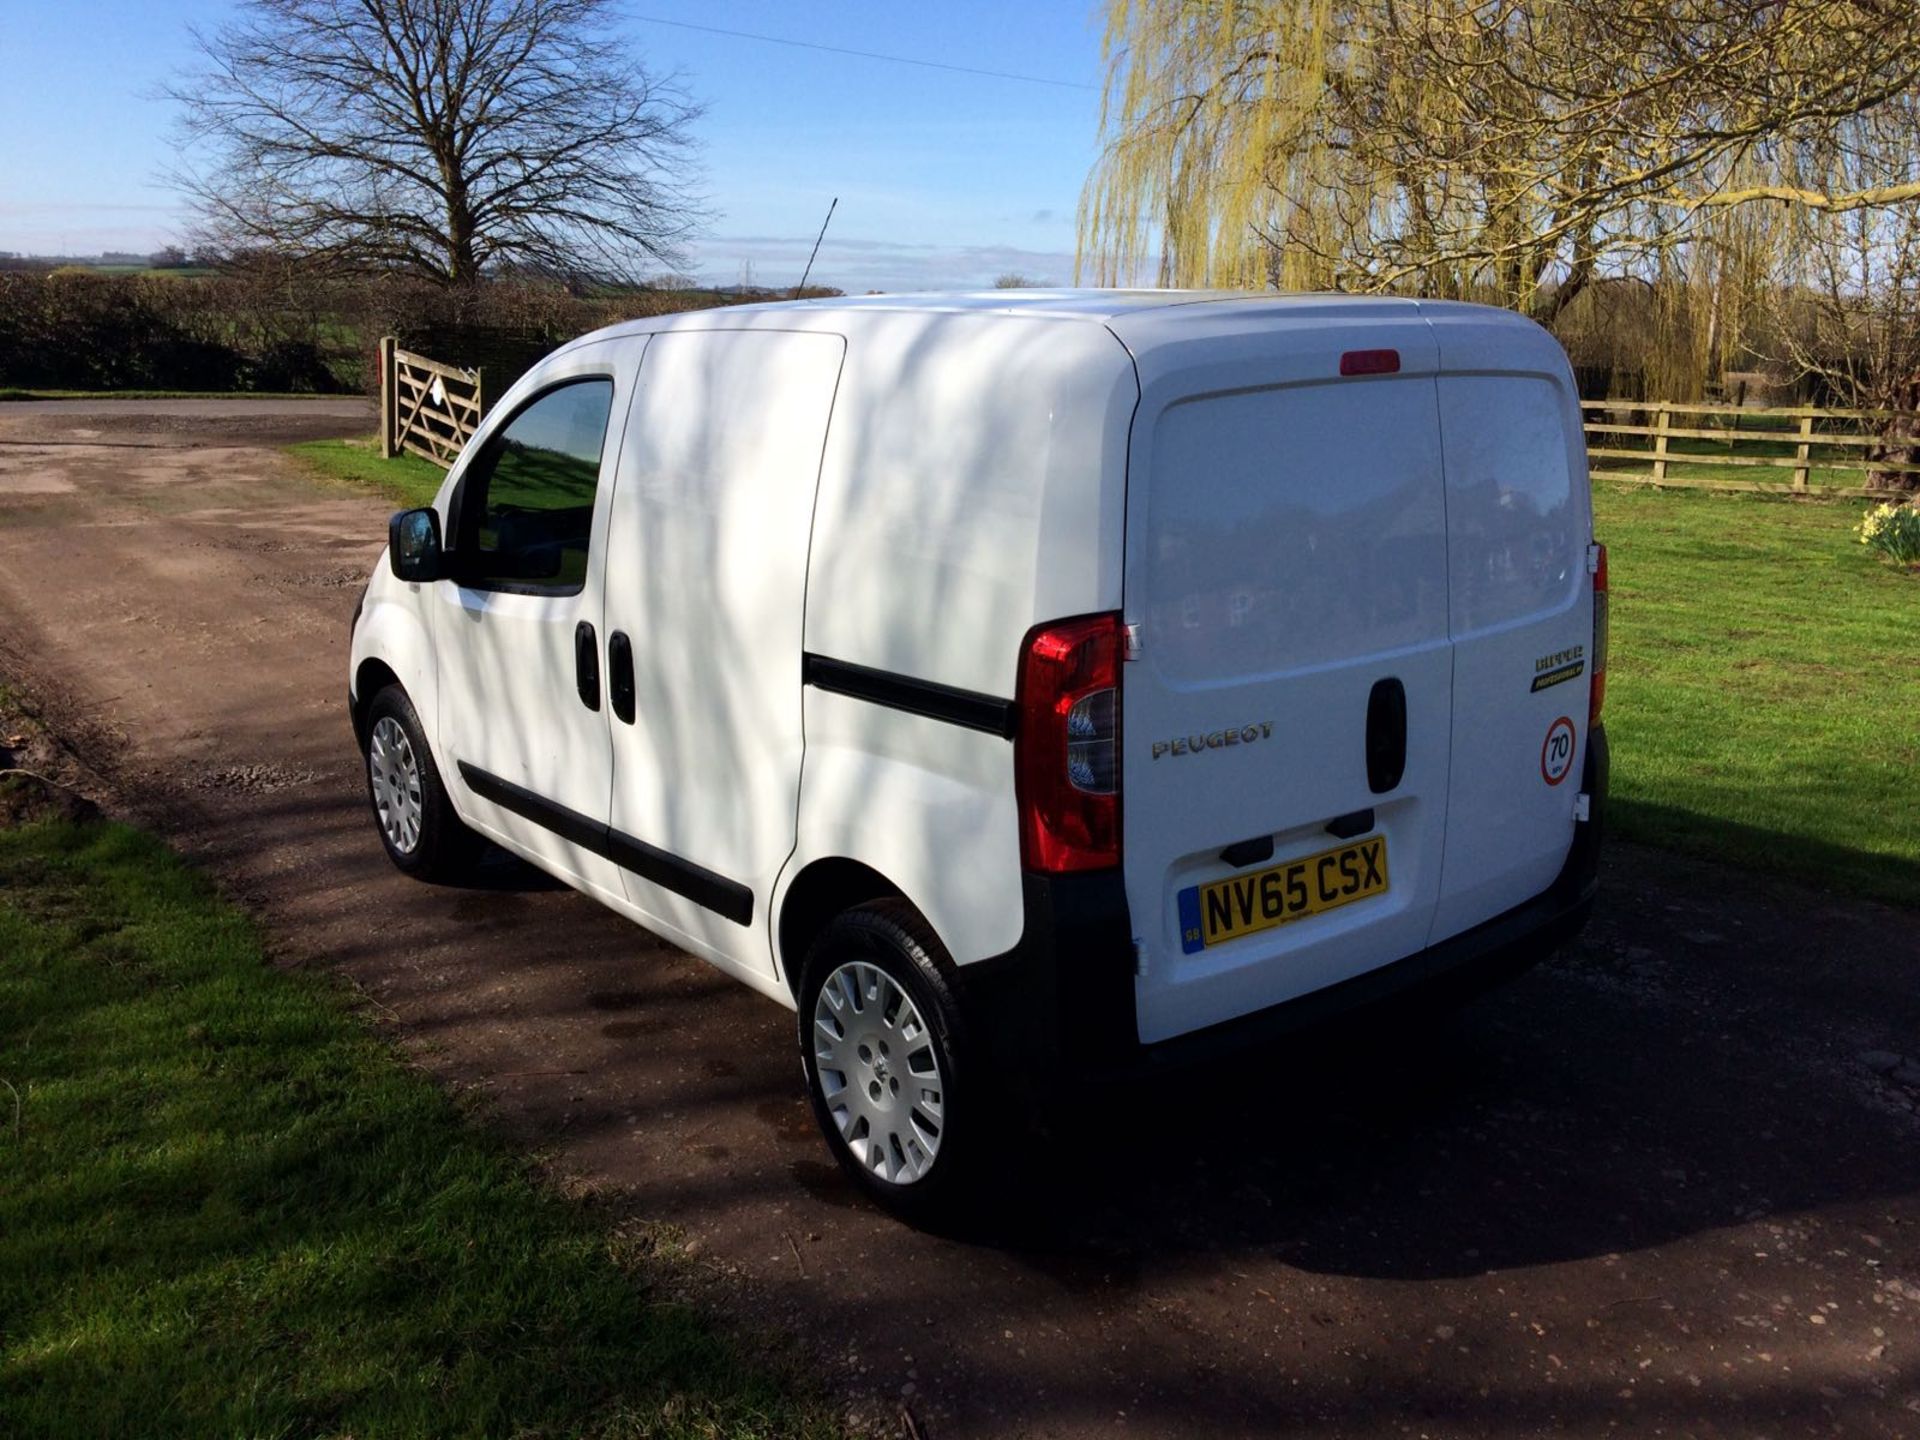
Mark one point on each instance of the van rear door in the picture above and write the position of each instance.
(1286, 721)
(1521, 609)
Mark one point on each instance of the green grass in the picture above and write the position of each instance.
(1764, 681)
(406, 479)
(15, 392)
(227, 1208)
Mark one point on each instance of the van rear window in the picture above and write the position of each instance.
(1516, 540)
(1296, 526)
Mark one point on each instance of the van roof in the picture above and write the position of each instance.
(1096, 306)
(1141, 319)
(1078, 304)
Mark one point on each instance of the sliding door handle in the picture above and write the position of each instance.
(586, 665)
(620, 675)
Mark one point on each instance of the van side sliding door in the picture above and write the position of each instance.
(705, 598)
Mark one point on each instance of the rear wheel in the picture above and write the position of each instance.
(422, 835)
(884, 1049)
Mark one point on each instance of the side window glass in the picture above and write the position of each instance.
(526, 505)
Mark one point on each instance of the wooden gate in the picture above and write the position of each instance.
(426, 408)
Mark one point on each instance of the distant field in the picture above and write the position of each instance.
(188, 272)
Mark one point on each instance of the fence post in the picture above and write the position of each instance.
(479, 398)
(389, 389)
(1660, 445)
(1800, 467)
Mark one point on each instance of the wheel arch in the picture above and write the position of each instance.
(823, 889)
(391, 646)
(372, 676)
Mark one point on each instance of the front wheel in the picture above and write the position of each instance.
(422, 834)
(884, 1048)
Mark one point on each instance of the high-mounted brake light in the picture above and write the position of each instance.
(1067, 750)
(1598, 694)
(1370, 362)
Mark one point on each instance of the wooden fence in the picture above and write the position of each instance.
(1791, 451)
(426, 408)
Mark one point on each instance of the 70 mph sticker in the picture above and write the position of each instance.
(1556, 753)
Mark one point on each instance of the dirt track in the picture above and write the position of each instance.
(1665, 1185)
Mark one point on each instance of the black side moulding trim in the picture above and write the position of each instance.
(966, 708)
(727, 898)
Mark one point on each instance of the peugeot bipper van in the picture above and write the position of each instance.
(1044, 684)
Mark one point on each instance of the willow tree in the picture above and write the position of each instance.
(1854, 296)
(1507, 150)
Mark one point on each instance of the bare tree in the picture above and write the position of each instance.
(442, 138)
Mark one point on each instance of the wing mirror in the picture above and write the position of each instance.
(413, 545)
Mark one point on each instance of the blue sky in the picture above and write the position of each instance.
(945, 180)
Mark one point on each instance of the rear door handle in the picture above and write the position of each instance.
(1386, 735)
(620, 675)
(586, 665)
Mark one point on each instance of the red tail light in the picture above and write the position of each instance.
(1067, 751)
(1598, 695)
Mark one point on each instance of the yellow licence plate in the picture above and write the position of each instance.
(1261, 899)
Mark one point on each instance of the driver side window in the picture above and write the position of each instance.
(526, 503)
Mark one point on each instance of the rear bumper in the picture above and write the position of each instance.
(1062, 999)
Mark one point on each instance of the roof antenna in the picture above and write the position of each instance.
(816, 249)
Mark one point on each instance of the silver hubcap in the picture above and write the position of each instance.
(878, 1072)
(395, 772)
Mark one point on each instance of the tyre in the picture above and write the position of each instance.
(884, 1047)
(416, 821)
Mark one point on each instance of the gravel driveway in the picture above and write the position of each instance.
(1667, 1184)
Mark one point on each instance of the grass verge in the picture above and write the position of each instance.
(1764, 681)
(406, 479)
(227, 1208)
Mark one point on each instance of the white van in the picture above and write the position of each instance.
(1039, 684)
